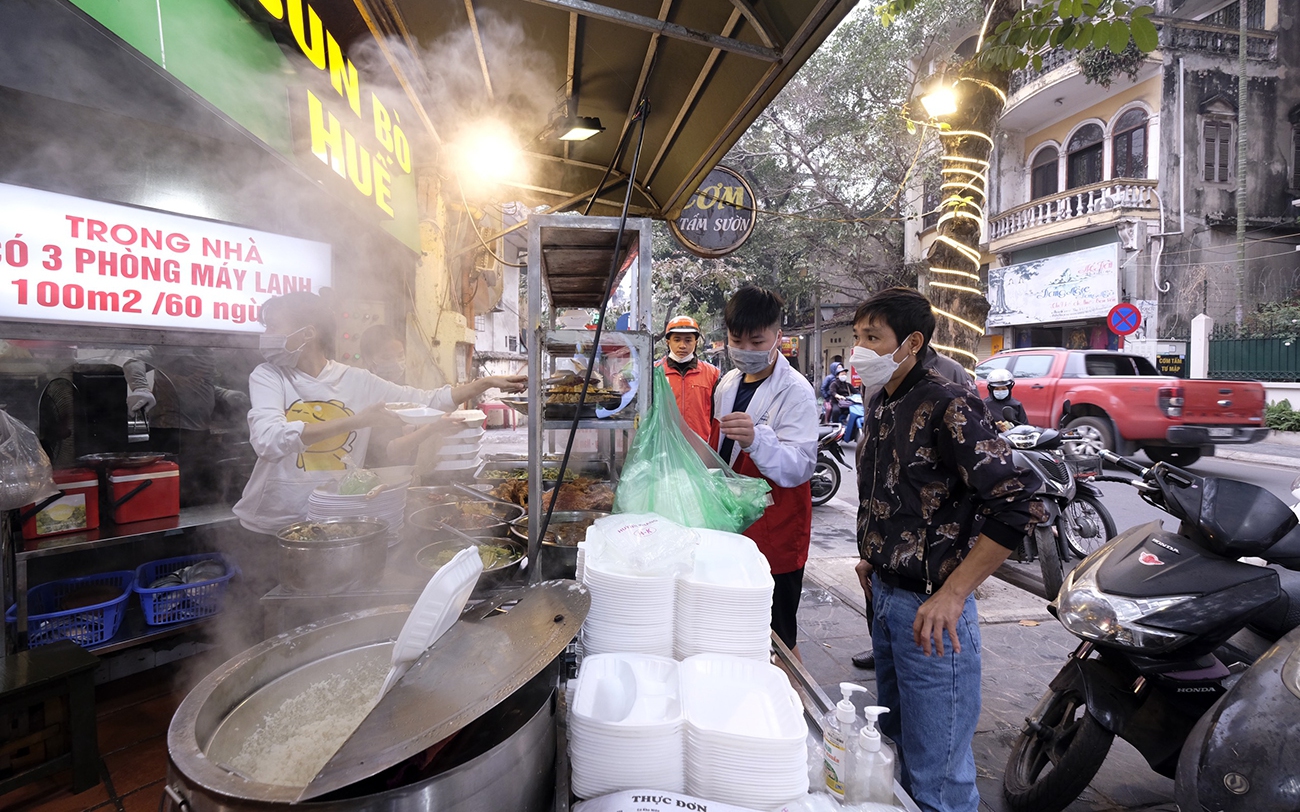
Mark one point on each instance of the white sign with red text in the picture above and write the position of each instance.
(67, 259)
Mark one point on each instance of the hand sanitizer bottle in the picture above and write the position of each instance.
(871, 779)
(841, 729)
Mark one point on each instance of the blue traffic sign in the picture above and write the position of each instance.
(1124, 319)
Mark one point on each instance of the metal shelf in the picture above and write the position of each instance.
(134, 631)
(109, 534)
(569, 262)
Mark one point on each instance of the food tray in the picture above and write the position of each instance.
(177, 604)
(565, 411)
(498, 469)
(87, 626)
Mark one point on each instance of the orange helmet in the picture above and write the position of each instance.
(682, 324)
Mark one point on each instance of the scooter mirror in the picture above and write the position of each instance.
(1009, 414)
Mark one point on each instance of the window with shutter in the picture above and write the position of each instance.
(1129, 148)
(1218, 151)
(1295, 156)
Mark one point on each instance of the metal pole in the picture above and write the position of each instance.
(817, 373)
(1242, 83)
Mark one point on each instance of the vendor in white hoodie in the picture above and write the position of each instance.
(769, 429)
(309, 411)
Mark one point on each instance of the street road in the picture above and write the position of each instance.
(1121, 500)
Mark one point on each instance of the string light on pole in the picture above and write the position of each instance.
(964, 190)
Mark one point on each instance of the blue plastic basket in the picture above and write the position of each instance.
(87, 626)
(178, 604)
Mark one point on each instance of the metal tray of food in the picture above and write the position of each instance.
(502, 467)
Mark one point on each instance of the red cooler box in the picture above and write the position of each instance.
(144, 492)
(76, 508)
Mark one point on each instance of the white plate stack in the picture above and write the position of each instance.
(724, 604)
(629, 613)
(459, 452)
(325, 502)
(625, 725)
(746, 739)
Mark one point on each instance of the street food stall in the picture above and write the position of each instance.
(163, 187)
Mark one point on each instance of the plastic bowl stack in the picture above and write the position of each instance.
(715, 726)
(746, 739)
(626, 725)
(325, 502)
(724, 604)
(629, 613)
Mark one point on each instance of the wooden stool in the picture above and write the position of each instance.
(31, 679)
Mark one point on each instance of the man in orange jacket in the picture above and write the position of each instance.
(691, 378)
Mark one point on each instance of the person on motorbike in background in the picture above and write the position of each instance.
(1000, 383)
(840, 391)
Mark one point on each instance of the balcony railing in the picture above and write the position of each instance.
(1051, 61)
(1181, 35)
(1219, 41)
(1110, 195)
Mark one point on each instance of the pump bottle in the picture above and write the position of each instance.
(841, 729)
(871, 770)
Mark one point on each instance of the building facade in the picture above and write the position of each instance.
(1127, 192)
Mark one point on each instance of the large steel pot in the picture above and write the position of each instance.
(327, 567)
(483, 519)
(503, 761)
(490, 578)
(559, 560)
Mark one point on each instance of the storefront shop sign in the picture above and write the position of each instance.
(278, 69)
(719, 217)
(1175, 365)
(1078, 285)
(789, 345)
(67, 259)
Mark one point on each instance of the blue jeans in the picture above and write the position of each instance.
(934, 702)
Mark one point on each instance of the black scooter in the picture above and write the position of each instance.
(1244, 755)
(1163, 618)
(826, 475)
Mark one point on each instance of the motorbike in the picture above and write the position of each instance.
(1242, 755)
(853, 425)
(1077, 522)
(1168, 622)
(830, 459)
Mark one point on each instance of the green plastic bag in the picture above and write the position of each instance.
(683, 479)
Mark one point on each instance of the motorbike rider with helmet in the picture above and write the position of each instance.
(1000, 383)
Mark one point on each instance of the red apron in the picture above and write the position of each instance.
(784, 530)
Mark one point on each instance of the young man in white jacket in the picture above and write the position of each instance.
(768, 428)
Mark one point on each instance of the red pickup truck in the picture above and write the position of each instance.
(1120, 402)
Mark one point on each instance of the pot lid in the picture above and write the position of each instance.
(485, 657)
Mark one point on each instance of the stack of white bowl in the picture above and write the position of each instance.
(746, 739)
(725, 603)
(629, 613)
(325, 502)
(625, 725)
(460, 451)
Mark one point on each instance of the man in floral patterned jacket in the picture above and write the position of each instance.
(941, 507)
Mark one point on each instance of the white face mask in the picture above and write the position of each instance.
(394, 371)
(1001, 394)
(874, 370)
(752, 362)
(681, 359)
(274, 349)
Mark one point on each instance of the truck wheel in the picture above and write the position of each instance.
(1095, 436)
(1174, 455)
(1055, 755)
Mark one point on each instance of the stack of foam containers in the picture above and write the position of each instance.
(724, 604)
(715, 597)
(625, 725)
(720, 727)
